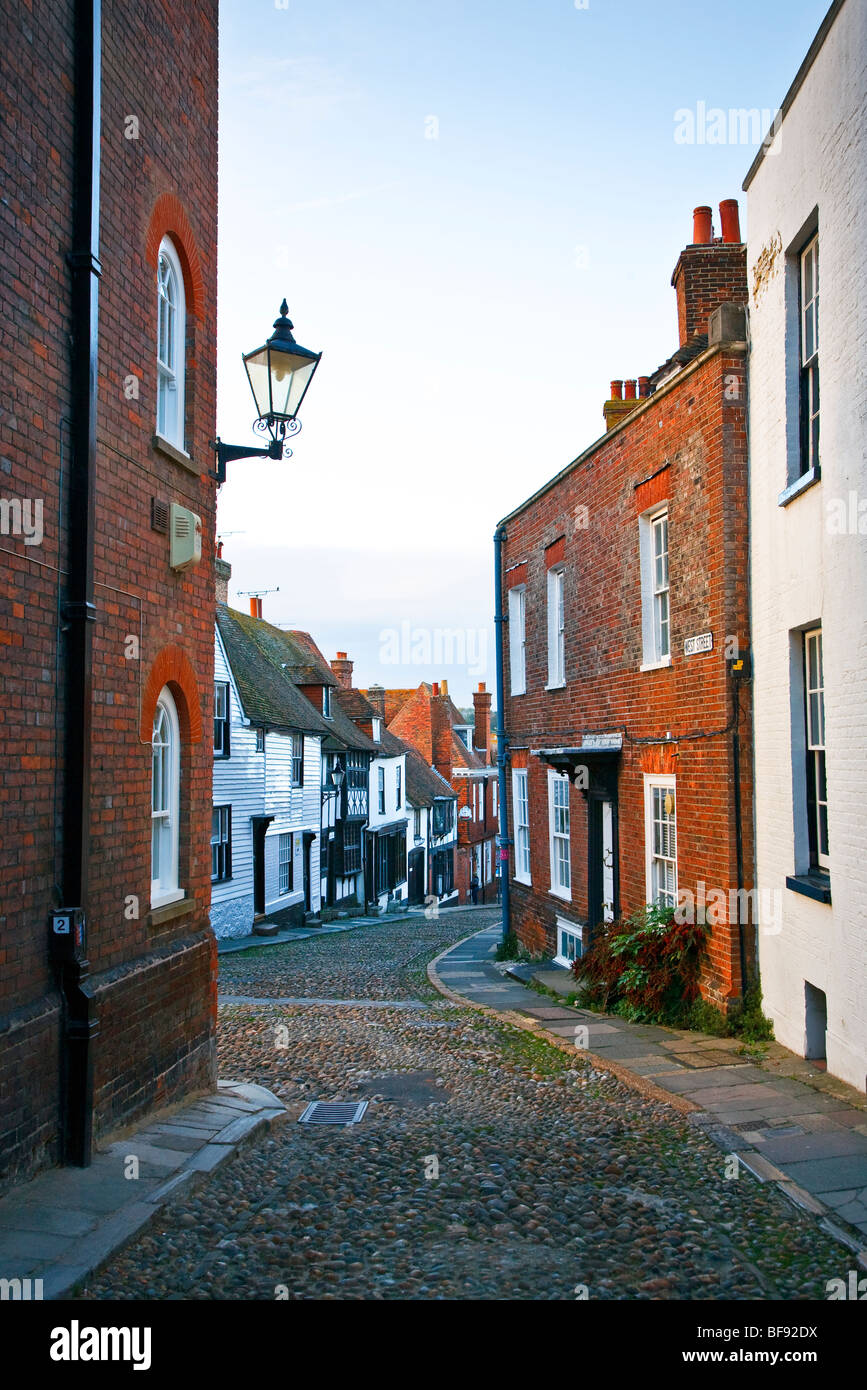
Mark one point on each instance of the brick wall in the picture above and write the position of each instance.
(154, 981)
(684, 445)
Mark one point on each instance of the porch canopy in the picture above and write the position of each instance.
(590, 765)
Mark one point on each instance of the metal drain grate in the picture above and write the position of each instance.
(333, 1112)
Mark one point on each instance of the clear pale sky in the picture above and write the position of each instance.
(473, 208)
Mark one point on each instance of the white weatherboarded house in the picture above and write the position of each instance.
(266, 820)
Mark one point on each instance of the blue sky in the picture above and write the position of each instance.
(474, 210)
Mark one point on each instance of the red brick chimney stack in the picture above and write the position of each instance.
(709, 271)
(482, 707)
(342, 669)
(622, 402)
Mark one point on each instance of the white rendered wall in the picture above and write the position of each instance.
(802, 573)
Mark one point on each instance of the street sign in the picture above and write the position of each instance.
(693, 646)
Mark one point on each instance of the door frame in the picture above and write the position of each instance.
(260, 828)
(595, 878)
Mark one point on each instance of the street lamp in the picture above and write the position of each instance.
(337, 776)
(279, 374)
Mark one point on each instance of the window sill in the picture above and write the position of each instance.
(167, 911)
(815, 886)
(806, 480)
(560, 685)
(515, 693)
(179, 456)
(656, 665)
(527, 882)
(561, 897)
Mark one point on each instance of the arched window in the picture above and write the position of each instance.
(171, 335)
(165, 802)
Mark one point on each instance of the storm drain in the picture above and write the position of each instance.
(333, 1112)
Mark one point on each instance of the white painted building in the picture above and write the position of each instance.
(431, 834)
(385, 858)
(266, 818)
(808, 517)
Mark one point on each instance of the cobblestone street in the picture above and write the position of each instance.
(489, 1164)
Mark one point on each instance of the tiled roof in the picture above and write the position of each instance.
(393, 700)
(268, 693)
(423, 783)
(312, 668)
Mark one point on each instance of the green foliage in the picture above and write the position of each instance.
(645, 968)
(511, 949)
(748, 1020)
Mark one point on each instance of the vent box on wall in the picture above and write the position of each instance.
(186, 538)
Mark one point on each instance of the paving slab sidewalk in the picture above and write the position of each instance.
(63, 1224)
(787, 1122)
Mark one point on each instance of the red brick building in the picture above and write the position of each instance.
(460, 752)
(107, 404)
(626, 647)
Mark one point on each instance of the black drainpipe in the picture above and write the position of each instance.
(503, 841)
(739, 835)
(79, 609)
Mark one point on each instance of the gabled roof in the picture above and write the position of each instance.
(353, 706)
(268, 693)
(427, 723)
(353, 703)
(424, 784)
(310, 666)
(392, 699)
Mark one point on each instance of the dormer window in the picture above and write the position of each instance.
(326, 701)
(377, 730)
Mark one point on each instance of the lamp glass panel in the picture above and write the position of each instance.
(260, 380)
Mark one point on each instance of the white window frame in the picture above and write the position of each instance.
(398, 786)
(285, 851)
(171, 345)
(488, 862)
(556, 627)
(326, 702)
(165, 788)
(814, 702)
(518, 639)
(223, 816)
(380, 790)
(575, 932)
(808, 301)
(296, 761)
(521, 816)
(556, 837)
(655, 595)
(662, 782)
(495, 797)
(376, 730)
(223, 698)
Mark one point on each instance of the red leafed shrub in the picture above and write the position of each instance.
(645, 967)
